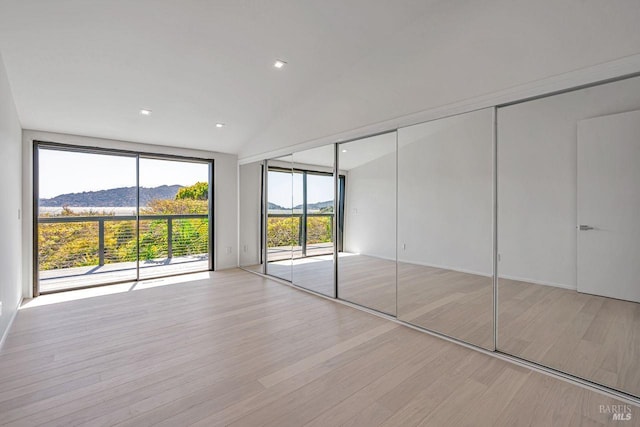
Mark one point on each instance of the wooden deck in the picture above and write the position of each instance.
(281, 253)
(70, 278)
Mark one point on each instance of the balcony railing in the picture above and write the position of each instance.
(129, 237)
(301, 237)
(309, 238)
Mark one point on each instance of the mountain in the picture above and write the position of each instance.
(311, 206)
(316, 206)
(114, 197)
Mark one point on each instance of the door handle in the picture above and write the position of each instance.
(586, 228)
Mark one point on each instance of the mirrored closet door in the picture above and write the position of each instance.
(414, 223)
(445, 226)
(367, 259)
(250, 222)
(282, 228)
(313, 213)
(568, 233)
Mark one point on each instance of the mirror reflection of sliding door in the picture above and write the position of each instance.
(319, 221)
(174, 217)
(313, 195)
(86, 223)
(298, 180)
(282, 224)
(367, 263)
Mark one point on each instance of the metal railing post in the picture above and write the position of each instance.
(169, 238)
(101, 242)
(331, 227)
(303, 218)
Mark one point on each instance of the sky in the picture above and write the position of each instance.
(64, 172)
(319, 189)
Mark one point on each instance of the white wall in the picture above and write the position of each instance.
(370, 203)
(445, 193)
(225, 192)
(537, 180)
(462, 50)
(10, 177)
(250, 187)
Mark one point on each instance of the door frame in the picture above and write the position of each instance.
(37, 144)
(337, 217)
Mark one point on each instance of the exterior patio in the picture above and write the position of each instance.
(77, 277)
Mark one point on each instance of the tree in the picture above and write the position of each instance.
(197, 191)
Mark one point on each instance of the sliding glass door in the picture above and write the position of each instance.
(86, 213)
(174, 223)
(105, 217)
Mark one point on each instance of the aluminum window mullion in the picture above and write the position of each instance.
(137, 218)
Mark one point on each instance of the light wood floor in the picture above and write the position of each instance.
(450, 302)
(589, 336)
(238, 349)
(456, 304)
(364, 280)
(368, 281)
(69, 278)
(314, 273)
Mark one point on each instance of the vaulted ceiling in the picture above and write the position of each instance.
(87, 67)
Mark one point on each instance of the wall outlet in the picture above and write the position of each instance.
(245, 248)
(228, 249)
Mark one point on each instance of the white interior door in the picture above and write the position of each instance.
(609, 206)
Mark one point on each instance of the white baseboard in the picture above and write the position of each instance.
(228, 267)
(443, 267)
(448, 267)
(477, 273)
(536, 282)
(372, 256)
(13, 317)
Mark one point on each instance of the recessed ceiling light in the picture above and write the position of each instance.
(344, 151)
(279, 63)
(145, 112)
(219, 125)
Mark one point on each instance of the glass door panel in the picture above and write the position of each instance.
(174, 217)
(86, 222)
